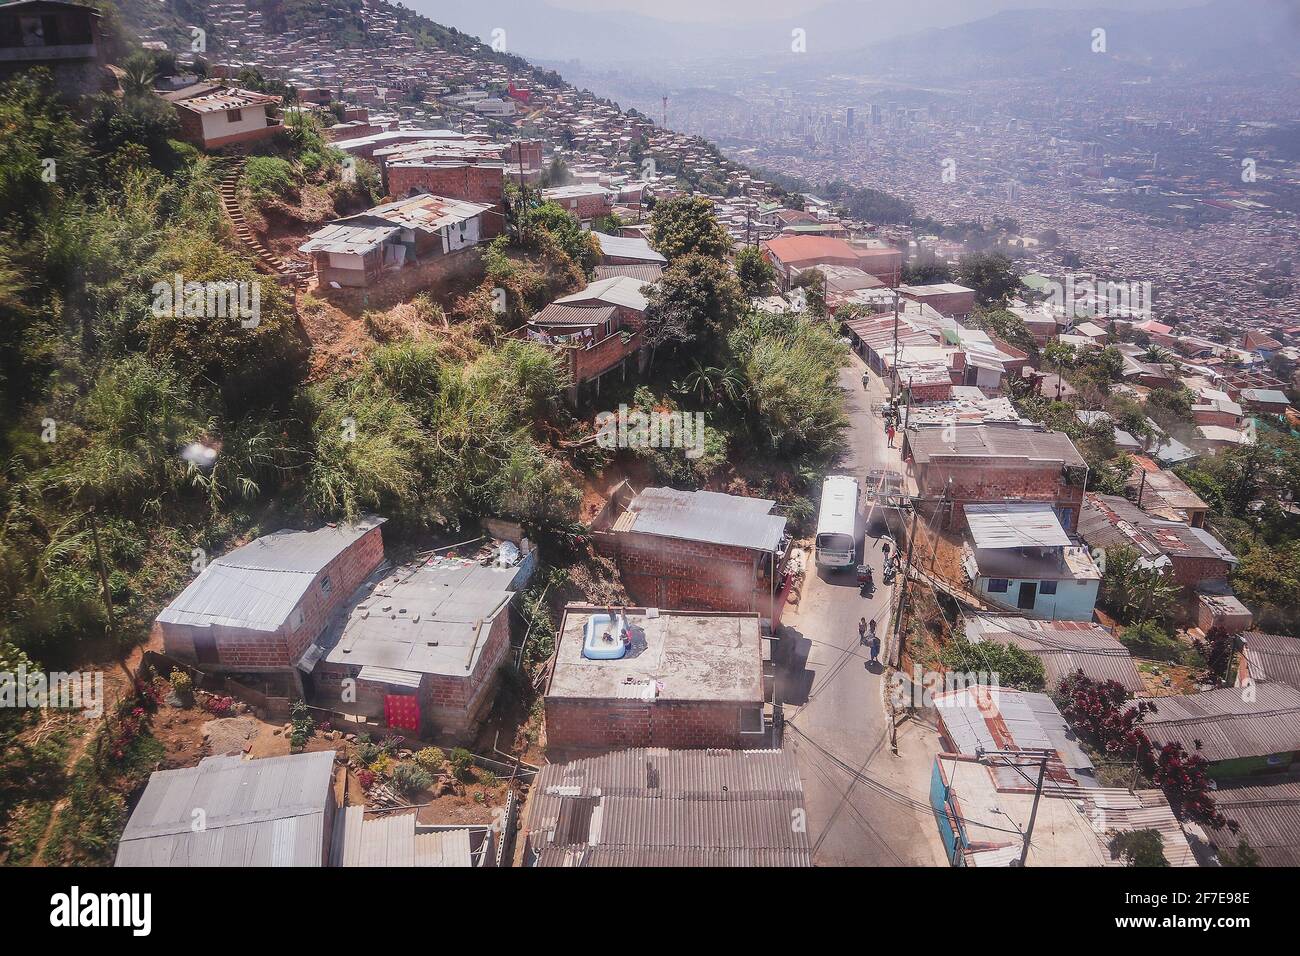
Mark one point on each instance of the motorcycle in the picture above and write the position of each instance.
(865, 583)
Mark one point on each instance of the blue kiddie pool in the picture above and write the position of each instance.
(602, 637)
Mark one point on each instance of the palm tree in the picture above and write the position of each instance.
(713, 384)
(138, 74)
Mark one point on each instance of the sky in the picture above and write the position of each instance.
(706, 11)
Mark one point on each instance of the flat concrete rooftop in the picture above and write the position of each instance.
(675, 655)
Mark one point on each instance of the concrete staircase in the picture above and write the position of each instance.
(265, 260)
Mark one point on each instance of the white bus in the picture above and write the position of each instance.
(837, 523)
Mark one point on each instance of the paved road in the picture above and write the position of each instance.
(862, 799)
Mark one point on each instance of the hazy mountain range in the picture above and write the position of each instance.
(1232, 31)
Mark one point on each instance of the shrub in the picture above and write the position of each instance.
(381, 765)
(1139, 848)
(183, 686)
(410, 779)
(431, 759)
(462, 764)
(270, 177)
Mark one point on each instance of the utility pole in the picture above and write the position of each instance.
(902, 600)
(1033, 814)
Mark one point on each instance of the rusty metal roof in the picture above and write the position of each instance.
(658, 807)
(1227, 724)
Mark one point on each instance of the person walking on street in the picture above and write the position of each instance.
(862, 630)
(875, 644)
(889, 432)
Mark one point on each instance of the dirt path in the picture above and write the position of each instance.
(118, 682)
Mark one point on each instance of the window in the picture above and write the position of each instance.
(751, 720)
(1047, 587)
(326, 585)
(234, 116)
(997, 585)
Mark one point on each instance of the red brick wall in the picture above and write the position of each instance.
(687, 575)
(594, 726)
(604, 355)
(990, 480)
(472, 183)
(1190, 572)
(247, 648)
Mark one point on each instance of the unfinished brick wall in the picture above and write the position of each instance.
(586, 364)
(450, 705)
(596, 726)
(466, 181)
(1189, 572)
(686, 575)
(976, 480)
(240, 648)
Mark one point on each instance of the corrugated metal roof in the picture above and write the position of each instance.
(642, 273)
(345, 239)
(993, 441)
(1226, 724)
(267, 812)
(710, 516)
(1269, 819)
(577, 315)
(394, 839)
(258, 585)
(1028, 524)
(618, 290)
(669, 808)
(1272, 657)
(1000, 718)
(1064, 647)
(627, 247)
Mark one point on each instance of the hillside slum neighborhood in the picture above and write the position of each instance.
(666, 727)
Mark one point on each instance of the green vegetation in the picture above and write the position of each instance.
(1008, 665)
(1139, 848)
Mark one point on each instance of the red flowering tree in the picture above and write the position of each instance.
(1100, 712)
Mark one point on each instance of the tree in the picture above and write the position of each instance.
(139, 70)
(1059, 357)
(1139, 848)
(756, 274)
(685, 225)
(926, 270)
(1219, 648)
(1009, 665)
(1099, 712)
(992, 275)
(1010, 328)
(1243, 854)
(1134, 592)
(698, 295)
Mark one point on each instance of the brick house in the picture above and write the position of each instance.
(584, 203)
(789, 254)
(423, 646)
(995, 462)
(62, 37)
(259, 608)
(697, 550)
(482, 183)
(946, 298)
(1195, 558)
(596, 330)
(358, 250)
(213, 115)
(688, 679)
